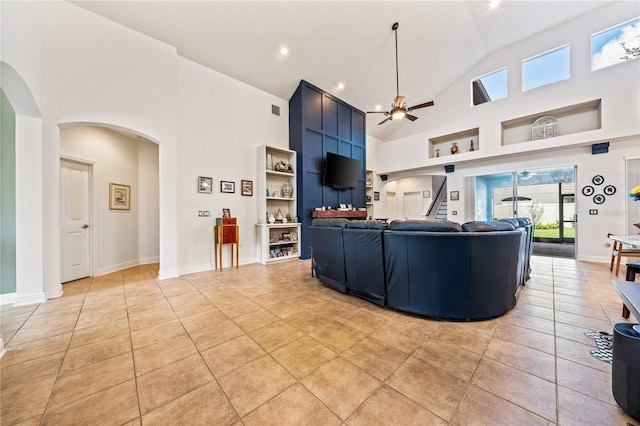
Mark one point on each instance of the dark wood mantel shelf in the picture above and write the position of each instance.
(349, 214)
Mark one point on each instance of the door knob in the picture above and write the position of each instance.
(85, 226)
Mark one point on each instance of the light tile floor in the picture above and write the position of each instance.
(270, 345)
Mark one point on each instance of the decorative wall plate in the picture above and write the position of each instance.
(544, 127)
(597, 180)
(588, 190)
(609, 190)
(599, 198)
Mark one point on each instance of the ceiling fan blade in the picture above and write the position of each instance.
(399, 101)
(377, 112)
(426, 104)
(384, 121)
(411, 117)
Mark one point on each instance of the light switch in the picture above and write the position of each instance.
(204, 213)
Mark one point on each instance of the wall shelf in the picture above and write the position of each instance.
(463, 139)
(571, 119)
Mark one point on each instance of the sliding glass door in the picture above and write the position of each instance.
(546, 196)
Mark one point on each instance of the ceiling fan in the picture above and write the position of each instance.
(399, 108)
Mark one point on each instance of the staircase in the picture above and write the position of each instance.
(442, 210)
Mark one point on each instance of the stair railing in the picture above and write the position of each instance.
(433, 202)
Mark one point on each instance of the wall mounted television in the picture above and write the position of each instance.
(341, 172)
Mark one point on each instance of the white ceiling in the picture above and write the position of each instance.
(339, 41)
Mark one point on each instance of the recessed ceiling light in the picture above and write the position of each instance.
(493, 4)
(340, 86)
(284, 50)
(378, 107)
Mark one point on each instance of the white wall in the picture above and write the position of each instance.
(222, 123)
(618, 87)
(123, 238)
(148, 202)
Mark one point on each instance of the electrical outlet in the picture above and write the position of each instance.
(204, 213)
(593, 212)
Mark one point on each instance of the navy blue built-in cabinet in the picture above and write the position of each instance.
(320, 123)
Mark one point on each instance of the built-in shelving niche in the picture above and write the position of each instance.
(462, 139)
(571, 119)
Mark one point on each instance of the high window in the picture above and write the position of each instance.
(615, 45)
(489, 87)
(546, 68)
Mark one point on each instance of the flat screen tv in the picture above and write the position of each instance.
(341, 172)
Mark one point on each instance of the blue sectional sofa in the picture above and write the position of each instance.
(437, 269)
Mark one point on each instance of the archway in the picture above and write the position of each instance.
(29, 240)
(115, 238)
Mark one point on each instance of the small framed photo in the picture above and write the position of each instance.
(226, 213)
(119, 196)
(247, 187)
(426, 193)
(376, 196)
(454, 196)
(205, 184)
(227, 186)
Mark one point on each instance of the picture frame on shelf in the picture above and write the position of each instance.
(205, 184)
(119, 196)
(454, 195)
(246, 187)
(226, 213)
(228, 187)
(376, 196)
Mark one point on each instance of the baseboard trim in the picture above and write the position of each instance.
(598, 259)
(7, 298)
(163, 275)
(29, 299)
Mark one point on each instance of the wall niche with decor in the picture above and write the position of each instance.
(571, 119)
(320, 123)
(464, 141)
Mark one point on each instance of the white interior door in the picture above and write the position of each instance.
(391, 206)
(413, 205)
(74, 221)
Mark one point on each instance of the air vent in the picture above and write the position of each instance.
(275, 110)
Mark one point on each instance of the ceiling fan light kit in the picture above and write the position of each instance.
(399, 108)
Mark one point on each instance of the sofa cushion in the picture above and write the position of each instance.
(330, 223)
(427, 225)
(512, 220)
(485, 226)
(367, 224)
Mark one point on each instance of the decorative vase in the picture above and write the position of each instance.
(454, 148)
(269, 162)
(288, 217)
(437, 152)
(471, 147)
(287, 190)
(279, 216)
(272, 219)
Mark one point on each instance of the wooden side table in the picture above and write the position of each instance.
(226, 231)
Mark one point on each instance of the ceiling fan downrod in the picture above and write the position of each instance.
(394, 27)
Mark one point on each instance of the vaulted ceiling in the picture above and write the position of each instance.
(349, 42)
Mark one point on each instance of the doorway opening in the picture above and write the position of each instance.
(546, 196)
(112, 239)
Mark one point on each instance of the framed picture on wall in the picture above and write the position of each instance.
(205, 184)
(426, 193)
(376, 196)
(247, 187)
(454, 196)
(119, 196)
(227, 186)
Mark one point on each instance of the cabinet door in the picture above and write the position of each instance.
(228, 234)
